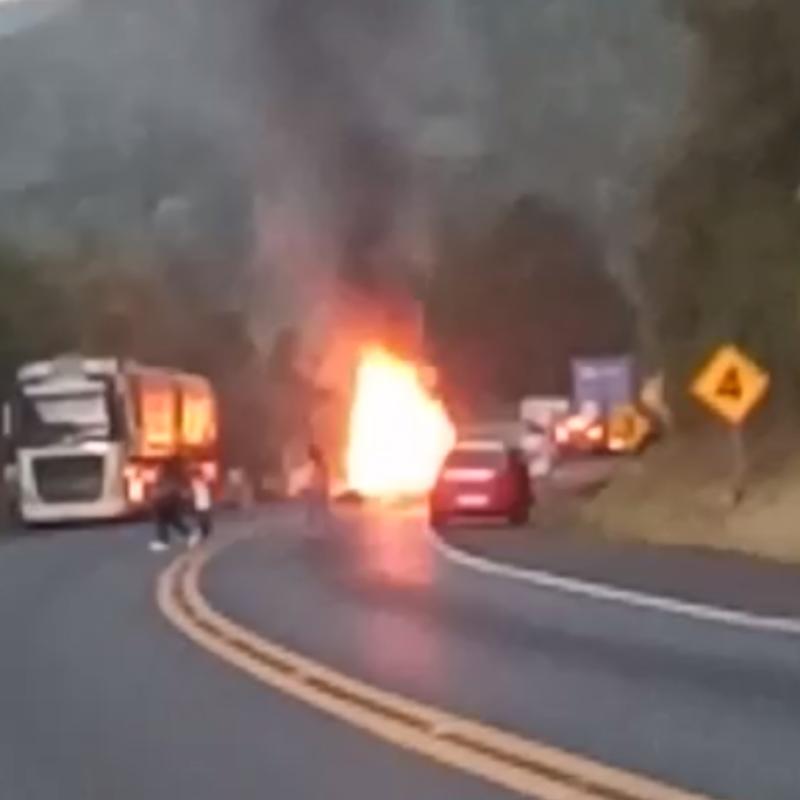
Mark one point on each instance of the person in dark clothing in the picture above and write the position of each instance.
(318, 493)
(171, 498)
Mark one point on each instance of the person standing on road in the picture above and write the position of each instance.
(318, 493)
(202, 503)
(171, 497)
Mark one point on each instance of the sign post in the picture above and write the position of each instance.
(731, 385)
(739, 465)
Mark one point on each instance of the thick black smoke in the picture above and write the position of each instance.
(350, 91)
(350, 127)
(362, 171)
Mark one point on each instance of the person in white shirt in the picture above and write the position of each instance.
(202, 503)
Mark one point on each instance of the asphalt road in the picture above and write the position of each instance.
(100, 698)
(699, 705)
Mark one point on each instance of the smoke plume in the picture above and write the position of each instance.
(332, 139)
(364, 101)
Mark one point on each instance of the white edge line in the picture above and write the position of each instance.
(612, 594)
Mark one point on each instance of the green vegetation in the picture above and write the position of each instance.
(100, 307)
(33, 321)
(508, 308)
(723, 261)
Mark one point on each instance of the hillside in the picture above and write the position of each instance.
(569, 98)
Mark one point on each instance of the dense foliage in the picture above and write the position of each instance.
(510, 308)
(100, 307)
(723, 260)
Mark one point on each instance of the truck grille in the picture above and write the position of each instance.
(69, 479)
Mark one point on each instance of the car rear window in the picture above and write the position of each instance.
(475, 458)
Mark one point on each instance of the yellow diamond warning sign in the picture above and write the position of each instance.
(731, 384)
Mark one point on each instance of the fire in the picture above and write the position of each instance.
(399, 433)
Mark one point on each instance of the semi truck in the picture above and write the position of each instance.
(88, 436)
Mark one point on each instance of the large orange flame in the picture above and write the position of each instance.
(399, 433)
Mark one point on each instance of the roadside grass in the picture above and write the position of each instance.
(680, 493)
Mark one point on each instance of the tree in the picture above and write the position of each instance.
(99, 307)
(33, 319)
(508, 312)
(723, 260)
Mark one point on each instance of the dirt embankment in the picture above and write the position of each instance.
(680, 493)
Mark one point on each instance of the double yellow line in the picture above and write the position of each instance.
(504, 759)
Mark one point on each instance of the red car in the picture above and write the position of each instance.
(482, 478)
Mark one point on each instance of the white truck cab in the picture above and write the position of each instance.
(89, 434)
(69, 433)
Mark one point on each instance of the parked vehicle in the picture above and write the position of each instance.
(89, 436)
(484, 478)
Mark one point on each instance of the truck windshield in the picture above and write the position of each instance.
(46, 419)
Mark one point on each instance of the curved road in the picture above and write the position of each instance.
(100, 697)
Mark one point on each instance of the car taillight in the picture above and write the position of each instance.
(595, 433)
